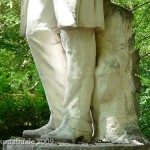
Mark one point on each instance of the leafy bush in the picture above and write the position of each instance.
(144, 97)
(144, 121)
(18, 113)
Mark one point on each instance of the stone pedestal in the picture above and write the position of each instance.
(31, 145)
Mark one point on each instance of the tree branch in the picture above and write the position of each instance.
(140, 6)
(143, 17)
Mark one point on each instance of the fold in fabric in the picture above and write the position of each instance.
(71, 13)
(63, 14)
(79, 13)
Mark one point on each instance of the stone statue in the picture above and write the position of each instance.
(82, 50)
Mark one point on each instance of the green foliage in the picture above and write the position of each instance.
(144, 97)
(17, 69)
(144, 121)
(9, 28)
(17, 77)
(18, 113)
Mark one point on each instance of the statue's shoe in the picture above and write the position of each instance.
(37, 133)
(67, 134)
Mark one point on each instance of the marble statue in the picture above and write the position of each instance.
(82, 50)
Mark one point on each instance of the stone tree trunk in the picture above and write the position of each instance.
(113, 105)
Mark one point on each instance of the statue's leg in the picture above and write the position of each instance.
(79, 45)
(50, 59)
(113, 101)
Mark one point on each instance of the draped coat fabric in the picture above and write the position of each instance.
(71, 13)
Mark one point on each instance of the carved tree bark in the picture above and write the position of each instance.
(113, 104)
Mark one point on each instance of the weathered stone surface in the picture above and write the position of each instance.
(114, 105)
(62, 54)
(21, 145)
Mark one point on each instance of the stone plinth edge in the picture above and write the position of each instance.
(31, 145)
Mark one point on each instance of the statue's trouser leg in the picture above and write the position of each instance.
(79, 45)
(50, 60)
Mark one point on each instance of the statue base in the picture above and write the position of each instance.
(32, 145)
